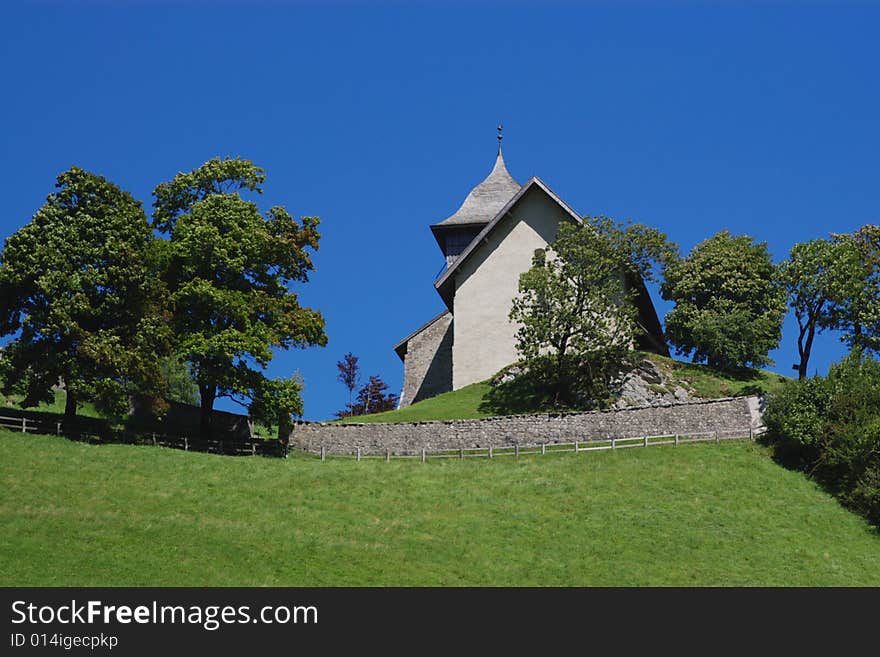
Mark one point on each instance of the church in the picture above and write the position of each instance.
(488, 242)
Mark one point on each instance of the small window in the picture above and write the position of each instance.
(457, 241)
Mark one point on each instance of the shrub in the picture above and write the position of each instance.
(830, 428)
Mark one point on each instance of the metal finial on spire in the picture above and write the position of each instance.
(500, 136)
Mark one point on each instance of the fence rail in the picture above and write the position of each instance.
(255, 447)
(589, 445)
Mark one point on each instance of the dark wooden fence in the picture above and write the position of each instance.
(99, 431)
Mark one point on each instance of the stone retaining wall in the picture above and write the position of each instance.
(730, 414)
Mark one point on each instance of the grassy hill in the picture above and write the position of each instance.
(117, 515)
(473, 402)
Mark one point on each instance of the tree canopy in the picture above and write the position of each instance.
(729, 306)
(820, 277)
(858, 314)
(576, 305)
(79, 291)
(371, 398)
(228, 268)
(349, 375)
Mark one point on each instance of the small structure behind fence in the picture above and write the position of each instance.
(91, 432)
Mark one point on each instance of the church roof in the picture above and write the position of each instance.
(487, 198)
(445, 284)
(400, 347)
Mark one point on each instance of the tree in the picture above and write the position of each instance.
(349, 375)
(371, 398)
(820, 277)
(576, 305)
(78, 287)
(178, 381)
(228, 268)
(278, 400)
(858, 314)
(729, 305)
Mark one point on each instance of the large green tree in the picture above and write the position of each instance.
(729, 305)
(821, 278)
(858, 313)
(576, 305)
(79, 292)
(228, 268)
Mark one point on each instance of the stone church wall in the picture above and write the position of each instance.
(731, 414)
(428, 362)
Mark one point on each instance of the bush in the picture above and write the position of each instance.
(575, 383)
(830, 428)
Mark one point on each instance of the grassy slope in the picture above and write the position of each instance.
(466, 402)
(78, 514)
(462, 403)
(711, 383)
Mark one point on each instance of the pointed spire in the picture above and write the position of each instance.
(487, 198)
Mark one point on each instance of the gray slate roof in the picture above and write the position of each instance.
(487, 198)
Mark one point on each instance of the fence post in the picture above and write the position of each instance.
(154, 440)
(461, 452)
(58, 428)
(717, 439)
(185, 444)
(424, 455)
(490, 451)
(323, 453)
(614, 443)
(387, 455)
(543, 448)
(646, 441)
(676, 440)
(751, 434)
(516, 450)
(359, 454)
(24, 425)
(575, 447)
(253, 447)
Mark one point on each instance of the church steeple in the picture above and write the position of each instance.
(487, 198)
(454, 233)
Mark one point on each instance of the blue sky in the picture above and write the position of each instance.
(379, 118)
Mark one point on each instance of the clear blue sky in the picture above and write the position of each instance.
(380, 118)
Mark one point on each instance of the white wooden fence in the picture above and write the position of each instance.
(29, 425)
(590, 445)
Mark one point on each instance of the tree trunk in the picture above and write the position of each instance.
(70, 407)
(805, 355)
(284, 430)
(805, 347)
(559, 396)
(207, 394)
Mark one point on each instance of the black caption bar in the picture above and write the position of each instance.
(133, 621)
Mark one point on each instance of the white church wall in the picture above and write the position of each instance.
(484, 337)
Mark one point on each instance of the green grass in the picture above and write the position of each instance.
(462, 403)
(711, 383)
(75, 514)
(703, 381)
